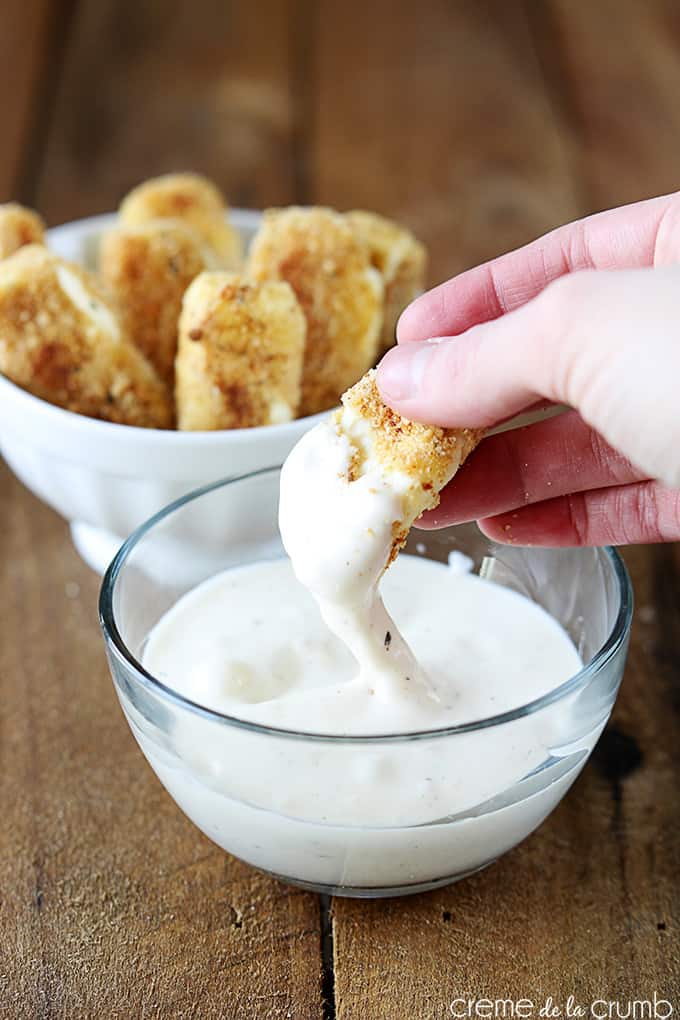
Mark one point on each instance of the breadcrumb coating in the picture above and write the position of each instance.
(147, 269)
(60, 339)
(241, 346)
(341, 295)
(194, 200)
(19, 226)
(424, 457)
(400, 259)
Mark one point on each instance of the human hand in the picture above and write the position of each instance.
(588, 315)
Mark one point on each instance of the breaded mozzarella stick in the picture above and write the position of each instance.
(341, 295)
(399, 258)
(415, 460)
(194, 200)
(60, 339)
(147, 268)
(350, 490)
(239, 362)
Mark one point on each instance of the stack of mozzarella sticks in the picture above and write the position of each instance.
(178, 328)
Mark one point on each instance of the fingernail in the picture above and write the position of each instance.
(401, 371)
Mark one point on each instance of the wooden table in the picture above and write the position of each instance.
(481, 124)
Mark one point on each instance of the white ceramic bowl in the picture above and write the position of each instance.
(106, 479)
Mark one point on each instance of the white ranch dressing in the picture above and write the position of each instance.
(338, 535)
(251, 643)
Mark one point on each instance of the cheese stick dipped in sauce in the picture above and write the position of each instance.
(350, 491)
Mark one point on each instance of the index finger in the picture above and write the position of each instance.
(629, 237)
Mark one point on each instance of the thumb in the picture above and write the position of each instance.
(490, 372)
(603, 342)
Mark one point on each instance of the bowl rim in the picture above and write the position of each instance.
(52, 414)
(116, 646)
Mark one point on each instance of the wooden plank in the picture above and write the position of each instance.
(588, 906)
(615, 70)
(113, 904)
(24, 54)
(161, 85)
(472, 151)
(435, 113)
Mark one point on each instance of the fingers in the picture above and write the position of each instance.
(601, 342)
(529, 465)
(631, 236)
(628, 514)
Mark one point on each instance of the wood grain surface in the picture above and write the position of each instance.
(113, 905)
(482, 124)
(148, 87)
(588, 905)
(614, 74)
(466, 150)
(30, 43)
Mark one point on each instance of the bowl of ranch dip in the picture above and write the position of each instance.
(464, 711)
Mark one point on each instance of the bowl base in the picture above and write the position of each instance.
(378, 892)
(96, 546)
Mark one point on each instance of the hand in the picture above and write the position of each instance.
(589, 316)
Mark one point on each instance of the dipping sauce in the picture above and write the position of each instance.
(252, 643)
(395, 814)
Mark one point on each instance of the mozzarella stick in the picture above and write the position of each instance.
(341, 295)
(194, 200)
(415, 460)
(19, 226)
(60, 339)
(147, 268)
(399, 258)
(239, 362)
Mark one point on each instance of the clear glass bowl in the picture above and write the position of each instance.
(204, 759)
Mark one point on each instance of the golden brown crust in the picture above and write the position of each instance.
(147, 269)
(19, 226)
(60, 340)
(241, 345)
(425, 457)
(315, 251)
(399, 257)
(194, 200)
